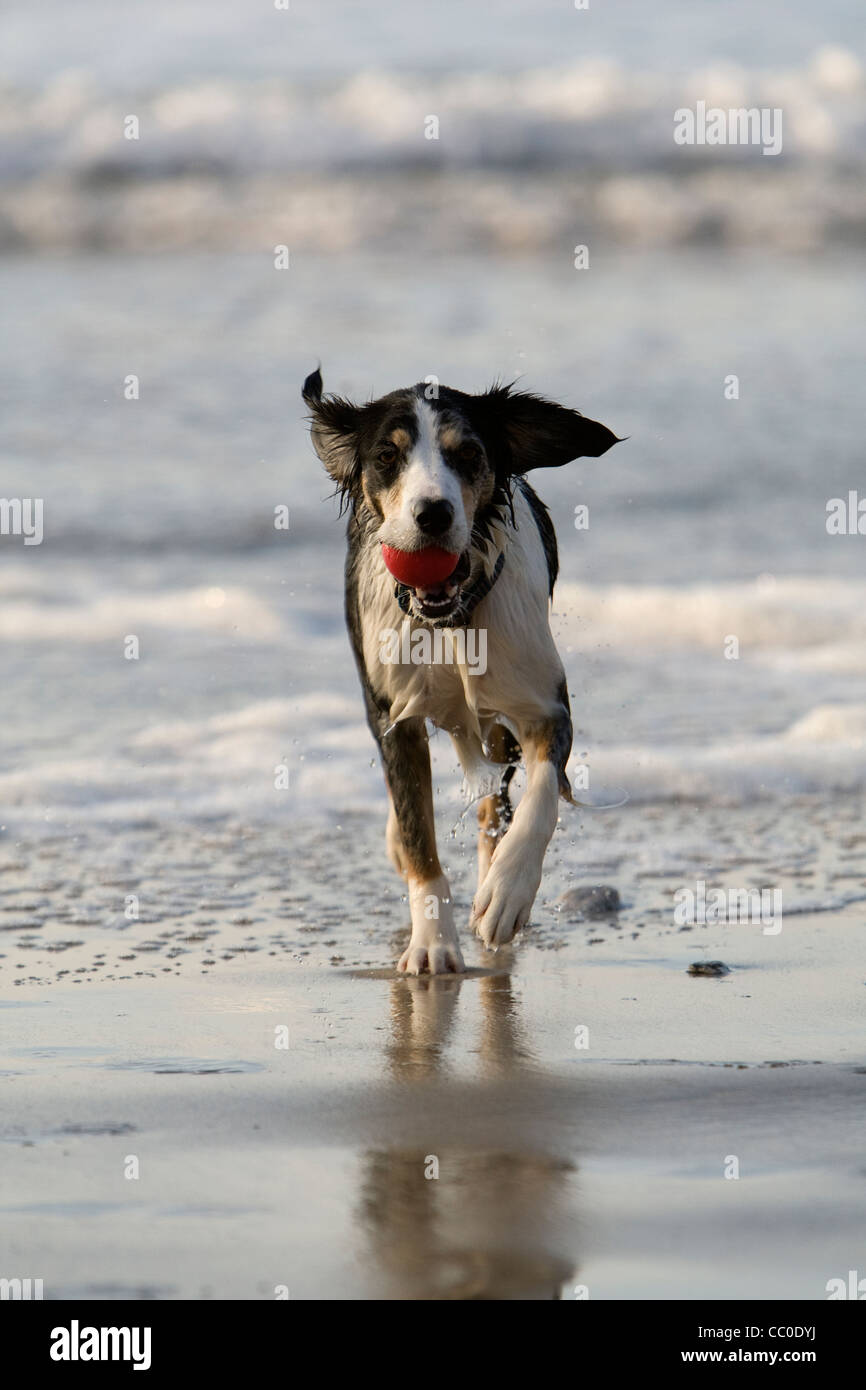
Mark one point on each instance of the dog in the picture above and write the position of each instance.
(434, 482)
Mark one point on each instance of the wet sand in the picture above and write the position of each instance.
(560, 1169)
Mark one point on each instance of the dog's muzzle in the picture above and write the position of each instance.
(451, 603)
(439, 602)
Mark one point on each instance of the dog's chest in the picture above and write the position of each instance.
(428, 672)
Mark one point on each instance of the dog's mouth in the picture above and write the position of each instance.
(442, 600)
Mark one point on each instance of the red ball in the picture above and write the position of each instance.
(420, 569)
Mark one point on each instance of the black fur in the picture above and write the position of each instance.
(541, 516)
(376, 705)
(490, 442)
(562, 734)
(519, 432)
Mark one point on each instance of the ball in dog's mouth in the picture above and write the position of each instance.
(434, 575)
(420, 569)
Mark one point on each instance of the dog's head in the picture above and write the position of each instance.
(427, 475)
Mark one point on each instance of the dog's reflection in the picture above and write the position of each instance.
(469, 1202)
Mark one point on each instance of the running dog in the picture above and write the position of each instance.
(446, 541)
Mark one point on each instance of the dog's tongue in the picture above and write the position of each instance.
(421, 569)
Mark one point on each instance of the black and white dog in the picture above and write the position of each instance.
(438, 498)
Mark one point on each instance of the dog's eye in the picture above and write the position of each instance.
(469, 452)
(389, 454)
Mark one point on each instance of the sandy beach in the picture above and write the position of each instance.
(563, 1171)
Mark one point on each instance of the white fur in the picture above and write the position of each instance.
(426, 477)
(504, 900)
(517, 689)
(433, 944)
(522, 660)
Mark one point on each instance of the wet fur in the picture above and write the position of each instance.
(386, 458)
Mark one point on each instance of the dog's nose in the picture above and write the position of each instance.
(434, 515)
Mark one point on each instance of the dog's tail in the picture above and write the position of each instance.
(565, 787)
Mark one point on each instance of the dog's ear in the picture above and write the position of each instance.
(541, 434)
(333, 430)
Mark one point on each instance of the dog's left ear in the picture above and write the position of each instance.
(542, 434)
(333, 427)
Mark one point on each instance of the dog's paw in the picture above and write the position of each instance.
(438, 956)
(504, 901)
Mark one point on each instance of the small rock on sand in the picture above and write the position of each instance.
(594, 900)
(709, 967)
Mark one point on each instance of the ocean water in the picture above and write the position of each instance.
(154, 258)
(217, 125)
(707, 523)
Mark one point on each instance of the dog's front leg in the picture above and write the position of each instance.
(504, 900)
(433, 945)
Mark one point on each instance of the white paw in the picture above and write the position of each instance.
(433, 947)
(437, 956)
(504, 901)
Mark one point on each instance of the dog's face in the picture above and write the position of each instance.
(423, 472)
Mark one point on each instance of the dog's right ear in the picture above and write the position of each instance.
(333, 430)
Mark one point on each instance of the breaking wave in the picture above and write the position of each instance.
(521, 160)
